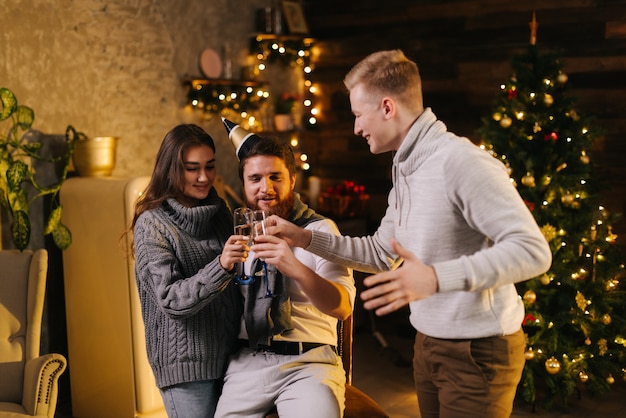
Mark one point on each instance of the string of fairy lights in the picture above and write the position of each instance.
(246, 98)
(291, 51)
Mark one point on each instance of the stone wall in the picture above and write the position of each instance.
(114, 68)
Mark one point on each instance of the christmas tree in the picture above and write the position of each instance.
(575, 313)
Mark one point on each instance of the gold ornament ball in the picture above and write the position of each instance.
(606, 319)
(530, 296)
(497, 116)
(610, 379)
(529, 354)
(545, 280)
(567, 198)
(552, 365)
(584, 159)
(583, 376)
(600, 257)
(528, 180)
(562, 78)
(548, 99)
(545, 180)
(587, 341)
(506, 121)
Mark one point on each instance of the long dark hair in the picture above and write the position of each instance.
(168, 176)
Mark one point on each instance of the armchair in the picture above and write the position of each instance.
(29, 382)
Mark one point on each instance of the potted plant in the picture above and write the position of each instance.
(17, 174)
(283, 109)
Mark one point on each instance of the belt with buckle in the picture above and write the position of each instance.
(288, 348)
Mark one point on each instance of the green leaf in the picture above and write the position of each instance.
(20, 229)
(8, 102)
(53, 220)
(18, 200)
(25, 117)
(62, 236)
(33, 147)
(16, 174)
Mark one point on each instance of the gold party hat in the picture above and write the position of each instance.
(241, 139)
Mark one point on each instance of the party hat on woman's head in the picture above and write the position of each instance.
(241, 139)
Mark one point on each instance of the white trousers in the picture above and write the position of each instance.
(309, 385)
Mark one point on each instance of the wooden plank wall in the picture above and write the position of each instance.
(464, 49)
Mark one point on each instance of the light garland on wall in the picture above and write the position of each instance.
(292, 51)
(221, 96)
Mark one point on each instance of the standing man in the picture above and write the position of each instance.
(463, 234)
(288, 356)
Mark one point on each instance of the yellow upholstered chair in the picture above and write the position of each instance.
(28, 381)
(358, 404)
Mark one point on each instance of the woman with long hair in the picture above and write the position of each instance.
(185, 257)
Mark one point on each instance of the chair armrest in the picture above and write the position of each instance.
(358, 405)
(41, 384)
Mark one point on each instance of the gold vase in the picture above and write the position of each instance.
(95, 157)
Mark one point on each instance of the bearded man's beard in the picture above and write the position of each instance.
(282, 209)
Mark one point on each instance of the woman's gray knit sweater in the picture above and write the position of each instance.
(191, 308)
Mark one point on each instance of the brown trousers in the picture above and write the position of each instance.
(467, 378)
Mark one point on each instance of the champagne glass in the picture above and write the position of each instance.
(258, 229)
(242, 218)
(259, 224)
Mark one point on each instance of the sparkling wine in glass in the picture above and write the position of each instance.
(243, 221)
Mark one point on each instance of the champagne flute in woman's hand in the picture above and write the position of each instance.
(243, 221)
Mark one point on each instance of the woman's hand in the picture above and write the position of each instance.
(235, 251)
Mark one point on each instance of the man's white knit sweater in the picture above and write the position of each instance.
(452, 205)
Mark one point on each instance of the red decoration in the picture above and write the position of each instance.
(347, 188)
(346, 199)
(528, 320)
(512, 94)
(553, 136)
(531, 205)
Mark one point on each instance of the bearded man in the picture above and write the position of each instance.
(288, 355)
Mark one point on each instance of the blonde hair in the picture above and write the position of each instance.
(388, 73)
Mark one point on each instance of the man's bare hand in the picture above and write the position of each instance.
(391, 290)
(292, 234)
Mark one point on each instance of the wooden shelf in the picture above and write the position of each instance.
(295, 38)
(215, 95)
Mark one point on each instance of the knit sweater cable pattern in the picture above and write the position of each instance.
(190, 306)
(453, 206)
